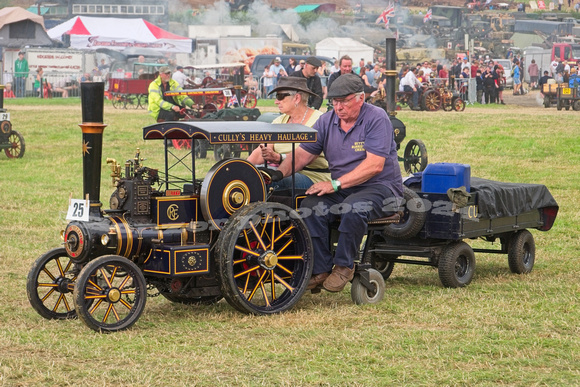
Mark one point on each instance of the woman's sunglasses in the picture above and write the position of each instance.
(281, 96)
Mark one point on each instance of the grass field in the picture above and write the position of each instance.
(503, 329)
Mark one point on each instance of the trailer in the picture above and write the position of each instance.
(435, 225)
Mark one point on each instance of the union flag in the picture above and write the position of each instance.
(428, 16)
(387, 13)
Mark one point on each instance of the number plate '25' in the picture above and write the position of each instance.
(78, 210)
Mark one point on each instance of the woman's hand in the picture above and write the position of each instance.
(269, 155)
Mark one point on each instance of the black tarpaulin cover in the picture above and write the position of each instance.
(497, 199)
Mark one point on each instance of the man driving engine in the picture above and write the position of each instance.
(359, 143)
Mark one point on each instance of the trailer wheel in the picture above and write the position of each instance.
(110, 294)
(547, 102)
(576, 105)
(413, 219)
(456, 265)
(361, 295)
(522, 252)
(559, 105)
(415, 156)
(264, 258)
(17, 146)
(50, 284)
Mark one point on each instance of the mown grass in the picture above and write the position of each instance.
(503, 329)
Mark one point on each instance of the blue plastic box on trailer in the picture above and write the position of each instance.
(439, 177)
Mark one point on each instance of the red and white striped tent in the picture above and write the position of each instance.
(90, 33)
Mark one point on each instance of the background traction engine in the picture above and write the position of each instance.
(10, 140)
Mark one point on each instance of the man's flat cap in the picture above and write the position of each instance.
(314, 61)
(345, 85)
(164, 70)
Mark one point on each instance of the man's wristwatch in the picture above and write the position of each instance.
(336, 185)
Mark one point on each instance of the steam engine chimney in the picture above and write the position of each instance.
(1, 97)
(92, 102)
(391, 59)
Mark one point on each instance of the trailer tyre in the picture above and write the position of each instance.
(456, 265)
(576, 105)
(547, 102)
(361, 295)
(413, 219)
(522, 252)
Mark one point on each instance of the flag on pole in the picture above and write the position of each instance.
(387, 13)
(233, 101)
(428, 16)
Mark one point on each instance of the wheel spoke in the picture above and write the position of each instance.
(48, 273)
(247, 271)
(286, 231)
(258, 237)
(258, 284)
(110, 309)
(245, 250)
(284, 282)
(48, 294)
(94, 308)
(264, 294)
(62, 299)
(284, 268)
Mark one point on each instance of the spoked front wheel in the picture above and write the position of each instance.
(50, 284)
(17, 146)
(458, 104)
(110, 294)
(264, 258)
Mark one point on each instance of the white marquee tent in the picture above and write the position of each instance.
(91, 33)
(337, 47)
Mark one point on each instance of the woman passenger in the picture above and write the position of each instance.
(291, 97)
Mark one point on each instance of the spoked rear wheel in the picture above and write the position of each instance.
(415, 156)
(250, 101)
(264, 258)
(432, 100)
(110, 294)
(50, 284)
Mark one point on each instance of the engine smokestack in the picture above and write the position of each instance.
(1, 97)
(391, 64)
(92, 102)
